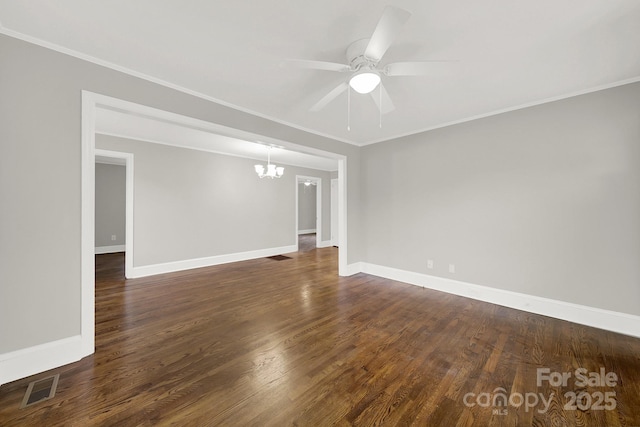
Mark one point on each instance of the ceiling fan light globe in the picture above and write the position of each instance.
(364, 82)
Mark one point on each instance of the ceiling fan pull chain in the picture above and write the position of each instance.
(349, 108)
(380, 109)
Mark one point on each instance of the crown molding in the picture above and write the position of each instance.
(107, 64)
(85, 57)
(509, 109)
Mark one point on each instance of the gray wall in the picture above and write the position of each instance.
(192, 204)
(110, 204)
(40, 159)
(307, 205)
(543, 201)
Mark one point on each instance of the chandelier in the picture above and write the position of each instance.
(272, 171)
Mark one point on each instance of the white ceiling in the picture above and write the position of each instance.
(509, 53)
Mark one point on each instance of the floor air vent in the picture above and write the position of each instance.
(279, 257)
(40, 390)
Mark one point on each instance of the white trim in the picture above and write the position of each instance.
(623, 323)
(111, 103)
(110, 160)
(333, 215)
(309, 231)
(109, 249)
(508, 109)
(87, 221)
(169, 267)
(128, 71)
(39, 358)
(90, 102)
(319, 216)
(184, 144)
(128, 159)
(323, 243)
(143, 76)
(343, 268)
(351, 269)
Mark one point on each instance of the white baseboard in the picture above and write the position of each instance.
(109, 249)
(324, 244)
(169, 267)
(33, 360)
(355, 268)
(309, 231)
(623, 323)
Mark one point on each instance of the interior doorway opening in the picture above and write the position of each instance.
(309, 211)
(92, 104)
(114, 206)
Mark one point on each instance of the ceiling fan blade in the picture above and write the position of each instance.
(385, 105)
(319, 65)
(389, 26)
(329, 97)
(418, 68)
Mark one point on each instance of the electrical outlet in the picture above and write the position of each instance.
(452, 268)
(430, 264)
(113, 237)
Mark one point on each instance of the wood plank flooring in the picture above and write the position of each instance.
(279, 343)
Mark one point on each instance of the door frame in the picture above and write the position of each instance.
(91, 102)
(335, 219)
(125, 159)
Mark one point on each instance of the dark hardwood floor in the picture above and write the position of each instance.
(277, 343)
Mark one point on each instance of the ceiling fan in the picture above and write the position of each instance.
(364, 58)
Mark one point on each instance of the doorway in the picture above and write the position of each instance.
(308, 211)
(91, 104)
(114, 229)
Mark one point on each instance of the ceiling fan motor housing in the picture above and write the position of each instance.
(355, 55)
